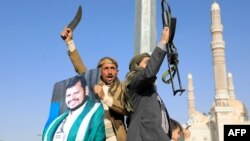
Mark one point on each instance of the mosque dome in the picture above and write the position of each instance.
(239, 110)
(199, 118)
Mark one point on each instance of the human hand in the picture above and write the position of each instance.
(186, 134)
(98, 89)
(165, 35)
(67, 34)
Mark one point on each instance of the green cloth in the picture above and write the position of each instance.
(94, 130)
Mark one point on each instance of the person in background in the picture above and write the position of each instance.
(178, 132)
(149, 119)
(109, 90)
(83, 121)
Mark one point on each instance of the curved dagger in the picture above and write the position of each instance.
(72, 25)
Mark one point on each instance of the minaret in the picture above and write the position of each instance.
(218, 51)
(145, 26)
(191, 98)
(230, 84)
(222, 109)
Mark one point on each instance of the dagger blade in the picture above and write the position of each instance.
(72, 25)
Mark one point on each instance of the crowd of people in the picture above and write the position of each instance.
(129, 110)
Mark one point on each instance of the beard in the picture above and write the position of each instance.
(109, 79)
(78, 106)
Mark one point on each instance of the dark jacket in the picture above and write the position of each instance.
(146, 120)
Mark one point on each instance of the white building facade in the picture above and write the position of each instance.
(226, 109)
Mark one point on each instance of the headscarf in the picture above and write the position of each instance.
(135, 61)
(133, 68)
(107, 60)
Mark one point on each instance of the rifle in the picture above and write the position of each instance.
(172, 54)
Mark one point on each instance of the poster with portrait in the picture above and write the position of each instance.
(58, 106)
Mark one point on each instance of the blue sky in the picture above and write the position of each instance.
(33, 56)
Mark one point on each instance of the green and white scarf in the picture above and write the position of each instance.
(80, 126)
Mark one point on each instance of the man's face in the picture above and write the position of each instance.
(109, 73)
(144, 62)
(74, 96)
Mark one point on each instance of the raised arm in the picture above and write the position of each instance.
(67, 36)
(146, 76)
